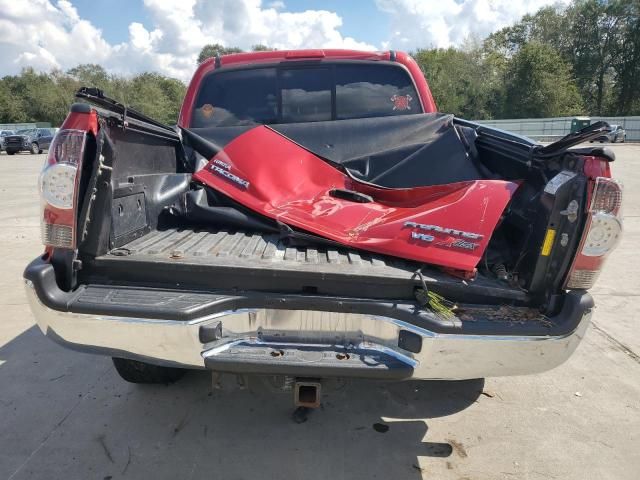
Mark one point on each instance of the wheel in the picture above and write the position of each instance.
(10, 153)
(139, 372)
(34, 148)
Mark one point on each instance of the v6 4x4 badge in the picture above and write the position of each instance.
(463, 242)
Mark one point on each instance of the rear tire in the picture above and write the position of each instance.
(34, 148)
(139, 372)
(10, 153)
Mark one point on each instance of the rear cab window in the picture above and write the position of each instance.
(371, 91)
(304, 93)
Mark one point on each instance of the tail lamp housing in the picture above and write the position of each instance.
(58, 187)
(603, 230)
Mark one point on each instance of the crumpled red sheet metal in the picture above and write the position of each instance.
(447, 225)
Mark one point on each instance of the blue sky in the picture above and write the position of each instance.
(115, 28)
(361, 19)
(132, 36)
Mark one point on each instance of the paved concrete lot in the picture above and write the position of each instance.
(65, 415)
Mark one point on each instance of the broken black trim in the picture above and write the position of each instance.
(126, 116)
(571, 140)
(604, 153)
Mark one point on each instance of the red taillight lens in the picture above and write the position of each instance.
(602, 233)
(59, 189)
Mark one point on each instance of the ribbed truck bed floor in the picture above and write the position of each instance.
(246, 261)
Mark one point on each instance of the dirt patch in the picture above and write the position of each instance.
(458, 448)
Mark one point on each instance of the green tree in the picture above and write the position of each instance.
(11, 108)
(261, 48)
(626, 62)
(458, 80)
(596, 31)
(595, 37)
(90, 75)
(156, 96)
(41, 98)
(214, 50)
(45, 97)
(539, 83)
(549, 25)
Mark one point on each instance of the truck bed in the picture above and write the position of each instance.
(263, 262)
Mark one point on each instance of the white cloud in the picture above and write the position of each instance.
(443, 23)
(45, 35)
(142, 39)
(39, 34)
(49, 34)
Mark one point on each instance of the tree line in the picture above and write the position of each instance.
(45, 97)
(560, 61)
(582, 59)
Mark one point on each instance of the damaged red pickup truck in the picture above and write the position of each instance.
(313, 216)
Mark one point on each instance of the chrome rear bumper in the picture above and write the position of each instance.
(303, 342)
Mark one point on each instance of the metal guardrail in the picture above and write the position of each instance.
(24, 126)
(549, 129)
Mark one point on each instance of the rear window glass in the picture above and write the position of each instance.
(373, 91)
(306, 94)
(286, 94)
(240, 97)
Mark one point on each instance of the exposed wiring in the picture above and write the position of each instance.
(436, 303)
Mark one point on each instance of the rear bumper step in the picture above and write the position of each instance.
(307, 340)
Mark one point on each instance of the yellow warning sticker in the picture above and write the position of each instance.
(548, 242)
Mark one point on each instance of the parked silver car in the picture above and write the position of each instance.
(616, 134)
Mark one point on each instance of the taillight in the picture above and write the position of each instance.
(59, 189)
(607, 196)
(602, 233)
